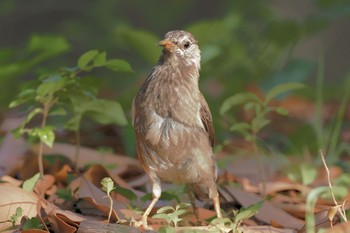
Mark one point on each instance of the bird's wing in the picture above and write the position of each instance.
(207, 121)
(133, 112)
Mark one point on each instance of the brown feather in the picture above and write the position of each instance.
(172, 121)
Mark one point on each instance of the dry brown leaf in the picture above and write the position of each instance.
(266, 229)
(279, 186)
(13, 197)
(61, 175)
(67, 216)
(247, 168)
(97, 172)
(88, 156)
(99, 227)
(322, 221)
(33, 231)
(292, 205)
(11, 181)
(322, 177)
(268, 212)
(333, 211)
(58, 225)
(48, 181)
(340, 228)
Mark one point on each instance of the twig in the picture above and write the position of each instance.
(342, 209)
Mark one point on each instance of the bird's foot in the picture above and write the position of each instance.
(140, 223)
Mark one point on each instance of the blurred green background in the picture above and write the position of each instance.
(251, 44)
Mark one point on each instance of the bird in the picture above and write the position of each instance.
(173, 124)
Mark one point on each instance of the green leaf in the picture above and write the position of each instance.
(162, 216)
(86, 58)
(340, 192)
(74, 123)
(99, 110)
(31, 115)
(33, 223)
(167, 229)
(59, 111)
(302, 173)
(29, 184)
(107, 184)
(13, 218)
(106, 112)
(125, 192)
(65, 194)
(50, 86)
(165, 209)
(258, 123)
(23, 97)
(182, 206)
(248, 212)
(241, 128)
(119, 65)
(282, 88)
(237, 99)
(46, 135)
(282, 111)
(100, 59)
(169, 196)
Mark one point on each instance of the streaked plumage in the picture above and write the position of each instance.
(173, 124)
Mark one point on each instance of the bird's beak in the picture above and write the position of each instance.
(166, 43)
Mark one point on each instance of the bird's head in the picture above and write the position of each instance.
(182, 46)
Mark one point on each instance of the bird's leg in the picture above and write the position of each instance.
(217, 206)
(156, 191)
(193, 204)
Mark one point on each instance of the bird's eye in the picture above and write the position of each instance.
(187, 44)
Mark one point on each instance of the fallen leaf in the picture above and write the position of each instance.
(340, 228)
(58, 225)
(11, 181)
(13, 197)
(268, 212)
(89, 156)
(44, 184)
(267, 229)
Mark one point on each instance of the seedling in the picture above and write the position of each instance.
(13, 218)
(171, 214)
(107, 186)
(261, 108)
(227, 225)
(68, 90)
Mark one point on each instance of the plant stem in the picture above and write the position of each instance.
(77, 148)
(110, 207)
(319, 103)
(41, 147)
(259, 163)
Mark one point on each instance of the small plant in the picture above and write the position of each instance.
(260, 108)
(68, 90)
(107, 186)
(32, 223)
(13, 218)
(227, 225)
(171, 214)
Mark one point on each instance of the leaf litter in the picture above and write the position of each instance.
(75, 198)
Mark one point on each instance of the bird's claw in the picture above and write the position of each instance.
(140, 223)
